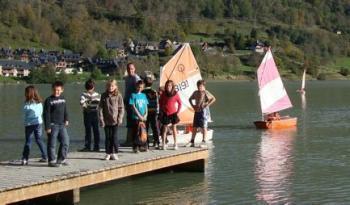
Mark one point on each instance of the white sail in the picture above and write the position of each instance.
(184, 71)
(303, 80)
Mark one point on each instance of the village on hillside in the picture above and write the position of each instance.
(20, 62)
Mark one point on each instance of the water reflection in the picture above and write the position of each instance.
(274, 166)
(165, 188)
(303, 101)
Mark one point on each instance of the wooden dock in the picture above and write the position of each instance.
(41, 184)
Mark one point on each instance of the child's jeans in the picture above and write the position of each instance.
(35, 130)
(57, 132)
(111, 143)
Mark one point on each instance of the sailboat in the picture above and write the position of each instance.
(273, 96)
(184, 71)
(302, 89)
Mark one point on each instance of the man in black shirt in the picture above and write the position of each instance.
(56, 120)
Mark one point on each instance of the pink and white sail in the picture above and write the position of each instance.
(273, 95)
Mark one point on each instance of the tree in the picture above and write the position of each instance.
(101, 52)
(42, 75)
(254, 34)
(96, 74)
(62, 76)
(213, 9)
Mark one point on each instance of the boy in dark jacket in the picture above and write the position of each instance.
(153, 110)
(56, 121)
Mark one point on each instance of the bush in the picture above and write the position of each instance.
(321, 76)
(42, 75)
(96, 74)
(344, 71)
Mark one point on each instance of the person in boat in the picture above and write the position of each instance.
(170, 106)
(130, 87)
(138, 101)
(273, 116)
(153, 110)
(200, 101)
(301, 90)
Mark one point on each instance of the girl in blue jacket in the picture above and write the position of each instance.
(33, 110)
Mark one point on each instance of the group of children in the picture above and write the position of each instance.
(149, 109)
(54, 116)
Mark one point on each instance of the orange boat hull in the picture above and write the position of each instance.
(277, 124)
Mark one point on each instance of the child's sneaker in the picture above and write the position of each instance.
(203, 144)
(62, 163)
(164, 147)
(190, 144)
(114, 157)
(107, 157)
(42, 160)
(53, 164)
(136, 150)
(24, 162)
(176, 147)
(156, 146)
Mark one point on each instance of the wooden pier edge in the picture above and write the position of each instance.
(67, 188)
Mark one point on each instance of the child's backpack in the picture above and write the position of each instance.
(142, 133)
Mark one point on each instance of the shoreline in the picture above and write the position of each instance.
(222, 78)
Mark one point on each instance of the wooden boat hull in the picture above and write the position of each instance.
(277, 124)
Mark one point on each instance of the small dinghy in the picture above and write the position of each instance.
(273, 96)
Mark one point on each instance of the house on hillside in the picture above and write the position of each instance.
(116, 46)
(163, 44)
(145, 48)
(258, 47)
(6, 53)
(73, 60)
(24, 57)
(15, 68)
(107, 66)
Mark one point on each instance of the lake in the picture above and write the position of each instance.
(306, 165)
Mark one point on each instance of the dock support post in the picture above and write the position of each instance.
(195, 166)
(71, 197)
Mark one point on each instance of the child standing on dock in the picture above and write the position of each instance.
(111, 112)
(170, 106)
(89, 100)
(138, 101)
(56, 121)
(153, 110)
(33, 109)
(202, 100)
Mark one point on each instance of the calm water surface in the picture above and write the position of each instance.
(307, 165)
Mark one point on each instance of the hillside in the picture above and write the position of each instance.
(312, 34)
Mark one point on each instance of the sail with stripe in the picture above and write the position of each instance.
(184, 71)
(273, 95)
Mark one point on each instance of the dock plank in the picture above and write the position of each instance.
(86, 168)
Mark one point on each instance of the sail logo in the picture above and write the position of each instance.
(182, 86)
(181, 68)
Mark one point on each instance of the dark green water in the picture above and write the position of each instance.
(307, 165)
